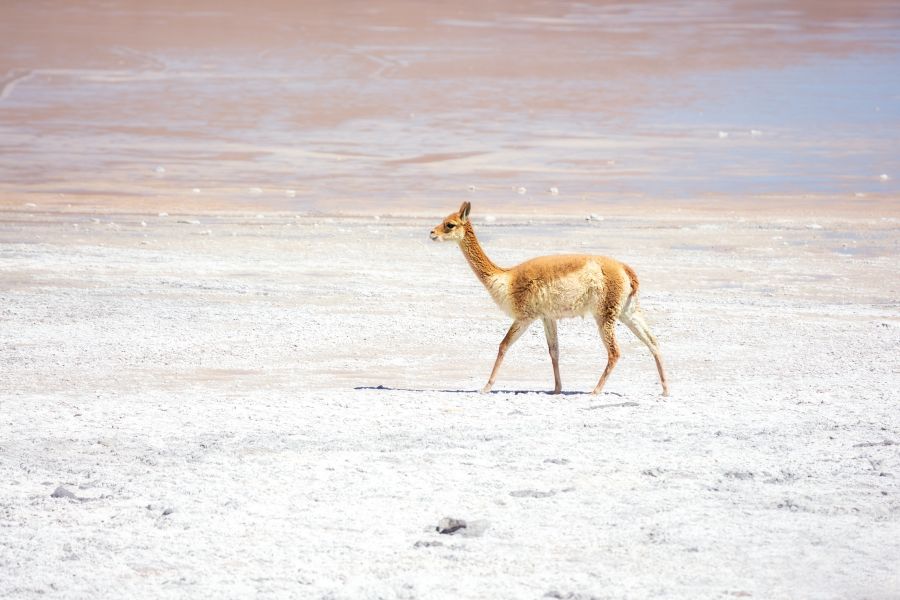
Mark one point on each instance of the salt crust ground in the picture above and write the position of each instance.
(298, 391)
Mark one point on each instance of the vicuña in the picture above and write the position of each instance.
(555, 287)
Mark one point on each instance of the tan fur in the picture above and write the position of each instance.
(554, 287)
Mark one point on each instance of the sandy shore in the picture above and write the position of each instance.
(283, 405)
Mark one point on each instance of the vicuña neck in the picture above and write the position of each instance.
(483, 266)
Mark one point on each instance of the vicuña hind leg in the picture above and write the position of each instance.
(515, 331)
(638, 326)
(606, 322)
(553, 346)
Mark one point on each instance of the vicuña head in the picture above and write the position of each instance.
(555, 287)
(453, 227)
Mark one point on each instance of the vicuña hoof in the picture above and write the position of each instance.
(486, 389)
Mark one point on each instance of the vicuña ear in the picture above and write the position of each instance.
(464, 211)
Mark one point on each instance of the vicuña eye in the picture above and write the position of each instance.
(451, 225)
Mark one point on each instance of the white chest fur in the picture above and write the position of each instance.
(498, 287)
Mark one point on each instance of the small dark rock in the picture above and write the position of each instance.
(168, 512)
(789, 504)
(557, 461)
(61, 492)
(426, 544)
(448, 525)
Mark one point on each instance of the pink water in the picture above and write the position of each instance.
(414, 105)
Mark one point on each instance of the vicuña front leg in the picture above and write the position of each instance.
(515, 331)
(606, 322)
(553, 346)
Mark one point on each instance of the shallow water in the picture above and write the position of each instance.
(319, 105)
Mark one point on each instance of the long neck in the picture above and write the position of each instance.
(483, 266)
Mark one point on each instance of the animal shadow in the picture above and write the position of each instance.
(383, 388)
